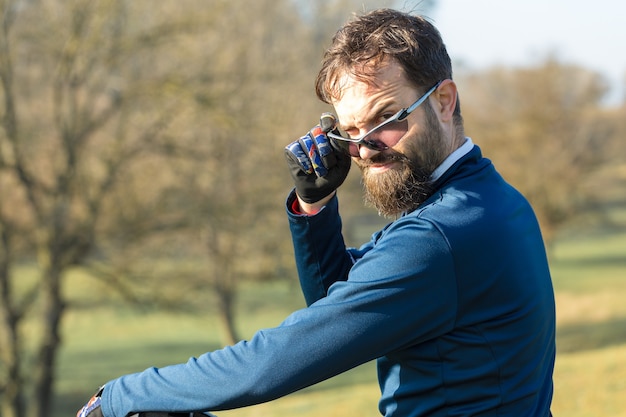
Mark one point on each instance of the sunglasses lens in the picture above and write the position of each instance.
(353, 149)
(375, 145)
(378, 139)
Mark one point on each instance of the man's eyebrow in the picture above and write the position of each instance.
(377, 109)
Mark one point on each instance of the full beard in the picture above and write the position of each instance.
(406, 186)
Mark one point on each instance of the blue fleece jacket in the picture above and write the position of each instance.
(454, 300)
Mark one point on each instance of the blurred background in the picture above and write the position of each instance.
(142, 182)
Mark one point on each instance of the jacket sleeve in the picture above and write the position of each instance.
(409, 274)
(320, 252)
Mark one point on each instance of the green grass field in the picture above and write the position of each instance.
(103, 340)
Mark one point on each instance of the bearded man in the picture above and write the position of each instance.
(453, 298)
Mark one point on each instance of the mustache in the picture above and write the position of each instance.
(383, 158)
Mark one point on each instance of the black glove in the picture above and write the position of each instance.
(318, 165)
(92, 408)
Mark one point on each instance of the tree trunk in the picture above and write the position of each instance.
(52, 311)
(226, 312)
(12, 401)
(12, 404)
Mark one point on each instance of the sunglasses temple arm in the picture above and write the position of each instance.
(418, 102)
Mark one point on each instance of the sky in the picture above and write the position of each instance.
(483, 33)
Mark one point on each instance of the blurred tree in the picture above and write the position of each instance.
(545, 129)
(252, 97)
(131, 128)
(72, 77)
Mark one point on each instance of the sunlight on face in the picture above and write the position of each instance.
(397, 179)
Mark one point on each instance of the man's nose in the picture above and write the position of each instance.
(366, 152)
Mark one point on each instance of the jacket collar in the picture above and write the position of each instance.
(459, 153)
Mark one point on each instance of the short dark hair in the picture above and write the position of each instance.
(363, 43)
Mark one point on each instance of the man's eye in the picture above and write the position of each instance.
(386, 116)
(352, 133)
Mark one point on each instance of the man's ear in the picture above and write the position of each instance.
(445, 100)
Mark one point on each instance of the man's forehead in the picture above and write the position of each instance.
(385, 75)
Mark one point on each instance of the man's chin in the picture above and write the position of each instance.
(394, 191)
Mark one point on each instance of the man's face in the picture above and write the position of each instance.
(396, 179)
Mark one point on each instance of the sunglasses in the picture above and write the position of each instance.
(389, 131)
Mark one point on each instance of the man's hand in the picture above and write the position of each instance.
(318, 168)
(92, 408)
